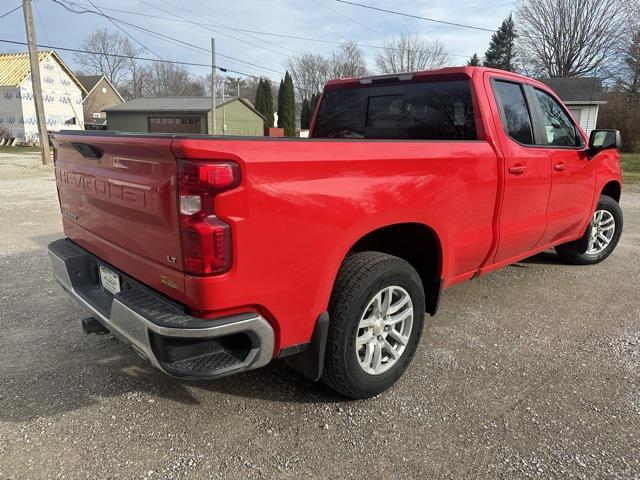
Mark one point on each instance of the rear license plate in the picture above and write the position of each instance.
(109, 280)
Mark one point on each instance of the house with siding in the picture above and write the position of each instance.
(234, 116)
(101, 94)
(61, 90)
(582, 96)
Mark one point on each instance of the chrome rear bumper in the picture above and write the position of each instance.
(159, 329)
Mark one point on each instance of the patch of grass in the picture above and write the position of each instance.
(7, 149)
(630, 167)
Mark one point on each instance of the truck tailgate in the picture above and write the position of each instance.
(119, 201)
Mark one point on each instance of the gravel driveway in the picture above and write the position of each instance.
(531, 371)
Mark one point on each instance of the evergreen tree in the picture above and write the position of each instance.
(289, 107)
(474, 61)
(305, 114)
(268, 103)
(259, 103)
(280, 100)
(264, 101)
(501, 51)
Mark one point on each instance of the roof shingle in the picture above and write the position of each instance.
(576, 89)
(175, 104)
(89, 81)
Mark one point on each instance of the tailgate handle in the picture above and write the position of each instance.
(88, 151)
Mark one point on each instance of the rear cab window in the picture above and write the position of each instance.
(413, 111)
(514, 111)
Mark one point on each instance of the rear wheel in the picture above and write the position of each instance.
(377, 313)
(601, 236)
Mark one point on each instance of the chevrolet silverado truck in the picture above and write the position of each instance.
(214, 255)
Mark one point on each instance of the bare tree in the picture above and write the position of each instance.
(311, 71)
(569, 38)
(169, 80)
(136, 84)
(116, 69)
(348, 61)
(628, 75)
(410, 53)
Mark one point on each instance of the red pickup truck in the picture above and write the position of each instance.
(215, 255)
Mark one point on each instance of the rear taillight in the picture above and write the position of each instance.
(206, 240)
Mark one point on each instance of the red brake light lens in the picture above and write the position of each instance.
(196, 177)
(206, 240)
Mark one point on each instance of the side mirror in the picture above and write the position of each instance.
(603, 140)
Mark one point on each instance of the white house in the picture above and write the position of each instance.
(582, 96)
(62, 94)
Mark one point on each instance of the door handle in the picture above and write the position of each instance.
(559, 167)
(517, 169)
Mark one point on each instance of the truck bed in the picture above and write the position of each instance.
(300, 202)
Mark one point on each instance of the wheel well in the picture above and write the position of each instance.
(415, 243)
(612, 189)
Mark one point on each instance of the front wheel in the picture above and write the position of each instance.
(601, 236)
(377, 312)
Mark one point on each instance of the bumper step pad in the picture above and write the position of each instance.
(159, 328)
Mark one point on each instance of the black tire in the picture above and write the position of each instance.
(361, 276)
(576, 252)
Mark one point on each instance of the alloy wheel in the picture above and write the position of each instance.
(384, 330)
(602, 231)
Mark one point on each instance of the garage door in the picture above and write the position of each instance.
(174, 124)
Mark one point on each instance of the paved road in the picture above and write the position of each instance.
(531, 371)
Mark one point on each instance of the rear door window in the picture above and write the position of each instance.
(514, 111)
(415, 111)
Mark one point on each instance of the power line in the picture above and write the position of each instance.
(427, 19)
(11, 11)
(125, 32)
(184, 70)
(166, 37)
(261, 32)
(79, 121)
(343, 16)
(147, 59)
(135, 57)
(217, 25)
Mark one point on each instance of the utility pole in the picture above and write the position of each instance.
(213, 85)
(224, 116)
(36, 85)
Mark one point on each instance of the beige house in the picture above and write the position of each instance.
(101, 94)
(234, 116)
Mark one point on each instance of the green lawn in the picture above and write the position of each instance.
(631, 167)
(6, 149)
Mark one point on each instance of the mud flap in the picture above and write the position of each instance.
(310, 362)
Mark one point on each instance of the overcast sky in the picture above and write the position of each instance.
(321, 19)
